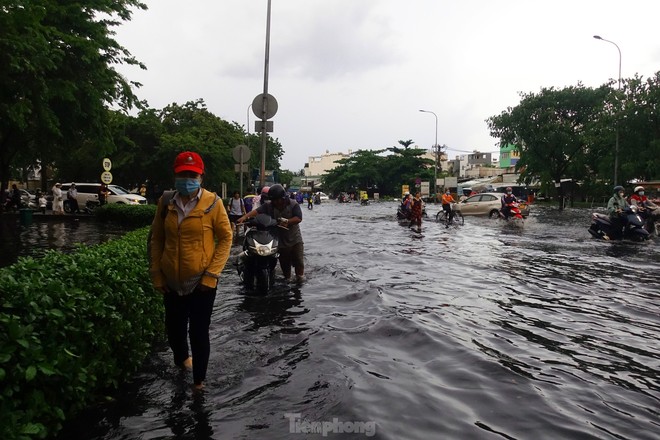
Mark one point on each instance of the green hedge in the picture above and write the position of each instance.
(72, 327)
(129, 215)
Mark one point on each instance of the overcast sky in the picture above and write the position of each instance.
(353, 74)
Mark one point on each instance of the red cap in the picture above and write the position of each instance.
(189, 161)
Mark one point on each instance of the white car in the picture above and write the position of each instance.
(323, 195)
(90, 192)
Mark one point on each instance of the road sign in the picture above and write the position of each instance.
(258, 126)
(258, 106)
(241, 153)
(107, 164)
(106, 177)
(238, 167)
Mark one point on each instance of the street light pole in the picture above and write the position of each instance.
(264, 135)
(435, 154)
(616, 142)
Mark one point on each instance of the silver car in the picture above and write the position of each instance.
(487, 204)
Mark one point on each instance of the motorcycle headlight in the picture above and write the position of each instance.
(264, 250)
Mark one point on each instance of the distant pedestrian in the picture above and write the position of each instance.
(416, 208)
(72, 197)
(236, 209)
(104, 192)
(14, 200)
(58, 200)
(43, 203)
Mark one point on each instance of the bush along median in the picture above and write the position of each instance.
(72, 327)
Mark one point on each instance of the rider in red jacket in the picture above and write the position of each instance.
(506, 200)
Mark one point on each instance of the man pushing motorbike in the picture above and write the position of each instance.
(288, 214)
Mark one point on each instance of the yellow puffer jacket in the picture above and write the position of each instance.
(181, 252)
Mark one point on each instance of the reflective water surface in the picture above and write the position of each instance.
(50, 232)
(484, 331)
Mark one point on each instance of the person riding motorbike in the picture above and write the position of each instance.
(507, 199)
(647, 209)
(406, 203)
(640, 200)
(615, 207)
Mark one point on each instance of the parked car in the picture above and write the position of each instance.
(323, 196)
(487, 204)
(90, 191)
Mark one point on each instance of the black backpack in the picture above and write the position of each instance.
(167, 198)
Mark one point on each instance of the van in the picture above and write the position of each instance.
(90, 192)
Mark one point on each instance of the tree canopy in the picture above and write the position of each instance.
(57, 78)
(570, 133)
(382, 171)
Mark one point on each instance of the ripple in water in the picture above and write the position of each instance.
(480, 331)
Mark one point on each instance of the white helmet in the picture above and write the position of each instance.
(406, 193)
(639, 188)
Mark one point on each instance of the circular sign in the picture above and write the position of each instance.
(258, 106)
(241, 153)
(106, 177)
(107, 164)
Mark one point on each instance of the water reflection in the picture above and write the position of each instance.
(53, 232)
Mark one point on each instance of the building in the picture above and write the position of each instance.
(509, 156)
(318, 166)
(473, 165)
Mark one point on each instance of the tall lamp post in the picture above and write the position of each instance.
(435, 154)
(616, 142)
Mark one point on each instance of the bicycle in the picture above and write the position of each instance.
(455, 217)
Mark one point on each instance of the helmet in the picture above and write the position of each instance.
(508, 188)
(639, 188)
(264, 190)
(277, 191)
(406, 193)
(618, 188)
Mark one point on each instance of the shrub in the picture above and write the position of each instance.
(72, 326)
(129, 215)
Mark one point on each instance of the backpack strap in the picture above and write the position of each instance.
(167, 199)
(210, 208)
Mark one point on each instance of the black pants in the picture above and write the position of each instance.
(180, 311)
(73, 203)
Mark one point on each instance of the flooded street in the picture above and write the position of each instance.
(485, 331)
(50, 232)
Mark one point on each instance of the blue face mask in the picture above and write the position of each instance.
(641, 193)
(187, 186)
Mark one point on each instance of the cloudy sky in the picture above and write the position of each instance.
(353, 74)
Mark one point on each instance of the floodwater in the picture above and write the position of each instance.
(50, 232)
(485, 331)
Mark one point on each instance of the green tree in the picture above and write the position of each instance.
(372, 169)
(555, 130)
(57, 78)
(639, 128)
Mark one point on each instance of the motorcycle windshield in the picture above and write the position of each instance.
(261, 237)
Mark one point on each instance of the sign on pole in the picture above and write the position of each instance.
(259, 126)
(106, 177)
(258, 106)
(107, 164)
